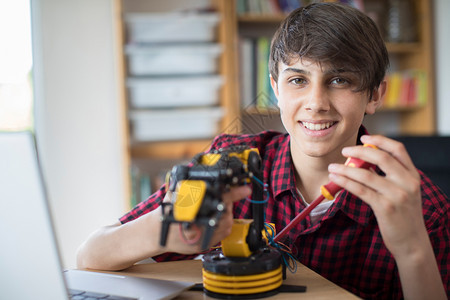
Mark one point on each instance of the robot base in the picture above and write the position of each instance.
(257, 276)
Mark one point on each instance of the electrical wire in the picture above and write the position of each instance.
(286, 253)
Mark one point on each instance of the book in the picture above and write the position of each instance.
(421, 81)
(262, 82)
(247, 70)
(394, 81)
(406, 89)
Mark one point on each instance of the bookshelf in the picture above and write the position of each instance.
(241, 116)
(156, 156)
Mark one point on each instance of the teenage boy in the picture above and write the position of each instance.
(385, 236)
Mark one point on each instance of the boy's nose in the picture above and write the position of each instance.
(317, 100)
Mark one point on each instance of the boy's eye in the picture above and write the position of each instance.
(339, 81)
(298, 81)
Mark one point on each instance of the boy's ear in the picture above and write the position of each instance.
(274, 85)
(377, 98)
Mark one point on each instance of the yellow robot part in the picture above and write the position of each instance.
(235, 245)
(243, 284)
(189, 196)
(243, 156)
(210, 159)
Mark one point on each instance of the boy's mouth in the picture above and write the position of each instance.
(317, 126)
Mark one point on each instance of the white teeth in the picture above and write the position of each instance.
(314, 126)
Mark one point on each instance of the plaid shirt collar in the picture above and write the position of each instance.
(283, 181)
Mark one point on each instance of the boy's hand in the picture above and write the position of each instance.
(175, 243)
(396, 201)
(395, 198)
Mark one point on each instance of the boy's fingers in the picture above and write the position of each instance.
(391, 157)
(237, 193)
(393, 147)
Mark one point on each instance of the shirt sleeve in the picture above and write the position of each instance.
(145, 207)
(440, 240)
(153, 202)
(437, 216)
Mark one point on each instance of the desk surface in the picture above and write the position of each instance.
(190, 270)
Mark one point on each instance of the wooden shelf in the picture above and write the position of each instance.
(404, 48)
(262, 111)
(258, 18)
(170, 149)
(400, 108)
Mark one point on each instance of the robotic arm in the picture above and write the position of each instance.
(197, 192)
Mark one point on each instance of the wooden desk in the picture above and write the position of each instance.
(190, 270)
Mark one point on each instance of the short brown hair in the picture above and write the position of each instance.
(333, 34)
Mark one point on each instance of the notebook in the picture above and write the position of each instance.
(30, 263)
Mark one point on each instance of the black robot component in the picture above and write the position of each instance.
(219, 170)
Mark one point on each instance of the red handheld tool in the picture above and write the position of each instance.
(328, 191)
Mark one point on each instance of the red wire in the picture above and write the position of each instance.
(298, 218)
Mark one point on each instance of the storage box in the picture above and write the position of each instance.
(172, 59)
(174, 91)
(176, 124)
(171, 27)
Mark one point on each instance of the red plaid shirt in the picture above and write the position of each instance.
(346, 245)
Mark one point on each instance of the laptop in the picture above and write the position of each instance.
(30, 264)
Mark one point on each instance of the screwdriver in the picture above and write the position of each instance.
(328, 191)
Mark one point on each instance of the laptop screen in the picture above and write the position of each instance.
(29, 261)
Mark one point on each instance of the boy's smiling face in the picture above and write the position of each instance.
(320, 108)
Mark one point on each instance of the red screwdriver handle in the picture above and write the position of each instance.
(330, 189)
